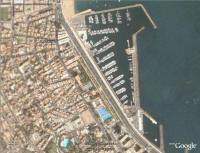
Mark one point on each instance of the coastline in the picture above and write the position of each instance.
(68, 8)
(156, 101)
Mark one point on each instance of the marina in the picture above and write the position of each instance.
(118, 59)
(104, 28)
(153, 72)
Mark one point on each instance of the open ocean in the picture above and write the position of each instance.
(169, 64)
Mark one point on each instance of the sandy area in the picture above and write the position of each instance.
(68, 8)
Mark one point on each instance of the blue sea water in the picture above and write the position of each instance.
(169, 64)
(170, 71)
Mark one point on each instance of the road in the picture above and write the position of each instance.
(109, 93)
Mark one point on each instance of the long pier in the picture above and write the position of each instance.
(148, 16)
(136, 93)
(162, 146)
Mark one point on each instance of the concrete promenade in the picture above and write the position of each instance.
(136, 72)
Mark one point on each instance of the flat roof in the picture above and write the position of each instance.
(104, 113)
(73, 141)
(65, 143)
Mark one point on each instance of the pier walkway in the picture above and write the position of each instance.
(136, 72)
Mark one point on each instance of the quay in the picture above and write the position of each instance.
(136, 93)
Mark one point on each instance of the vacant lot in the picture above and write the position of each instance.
(4, 13)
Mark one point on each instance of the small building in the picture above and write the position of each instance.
(87, 86)
(103, 113)
(73, 141)
(137, 147)
(19, 1)
(123, 138)
(64, 143)
(24, 66)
